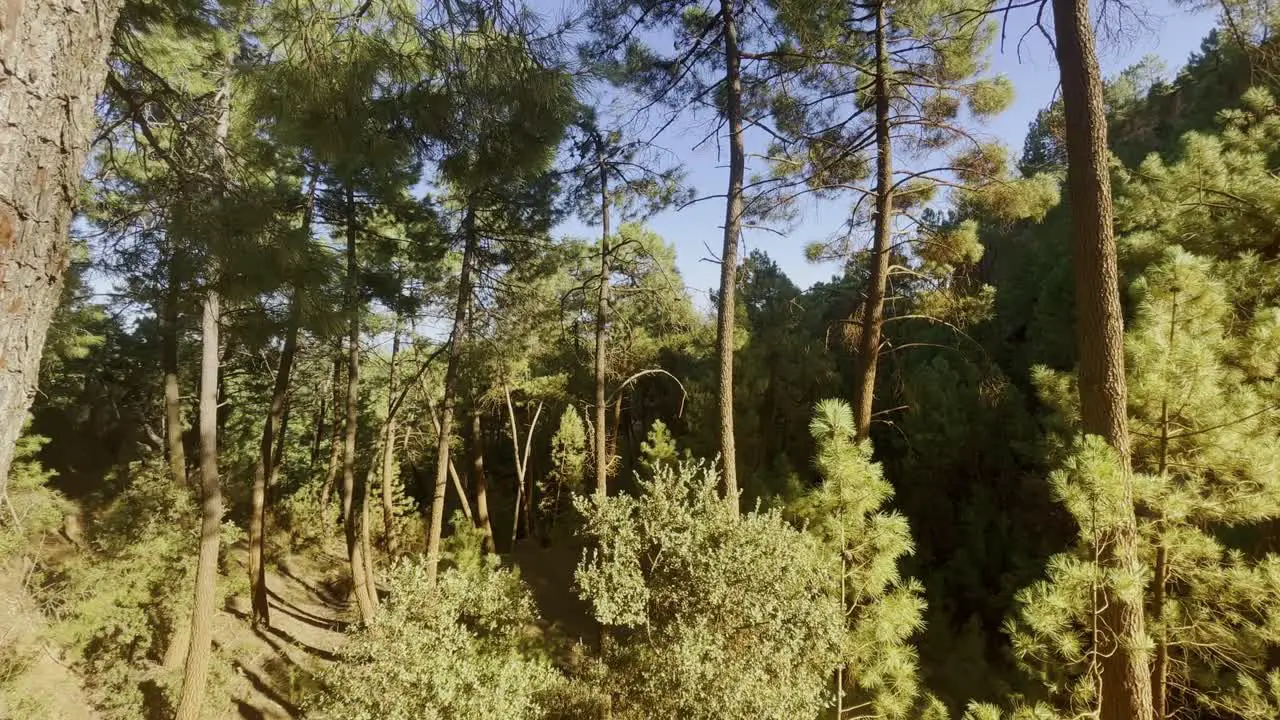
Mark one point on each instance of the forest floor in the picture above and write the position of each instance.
(273, 668)
(38, 682)
(276, 666)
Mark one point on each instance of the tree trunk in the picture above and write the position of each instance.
(54, 60)
(725, 313)
(1126, 677)
(265, 469)
(523, 494)
(336, 436)
(478, 481)
(877, 284)
(196, 671)
(601, 433)
(353, 495)
(453, 472)
(175, 452)
(389, 452)
(317, 438)
(457, 336)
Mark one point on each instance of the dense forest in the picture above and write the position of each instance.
(311, 407)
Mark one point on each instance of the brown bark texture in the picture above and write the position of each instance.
(196, 670)
(389, 452)
(353, 491)
(457, 337)
(725, 314)
(877, 285)
(265, 469)
(478, 481)
(52, 66)
(1126, 679)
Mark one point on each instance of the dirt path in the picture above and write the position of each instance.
(277, 665)
(41, 683)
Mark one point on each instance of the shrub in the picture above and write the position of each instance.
(121, 603)
(714, 615)
(465, 648)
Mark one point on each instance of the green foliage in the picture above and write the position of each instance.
(713, 615)
(659, 451)
(465, 647)
(1201, 401)
(883, 610)
(120, 604)
(29, 509)
(568, 461)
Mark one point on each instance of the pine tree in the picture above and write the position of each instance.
(878, 670)
(889, 80)
(1201, 408)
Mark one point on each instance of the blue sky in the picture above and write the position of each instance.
(1166, 31)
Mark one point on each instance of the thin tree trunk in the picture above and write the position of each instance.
(457, 336)
(54, 60)
(453, 472)
(602, 321)
(175, 652)
(522, 466)
(389, 451)
(317, 437)
(336, 436)
(478, 481)
(353, 495)
(616, 437)
(265, 468)
(877, 285)
(1126, 676)
(725, 313)
(196, 671)
(175, 452)
(366, 546)
(282, 441)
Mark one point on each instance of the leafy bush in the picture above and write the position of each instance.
(465, 648)
(120, 604)
(714, 615)
(33, 509)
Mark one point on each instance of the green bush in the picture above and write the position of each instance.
(464, 648)
(713, 615)
(118, 605)
(33, 509)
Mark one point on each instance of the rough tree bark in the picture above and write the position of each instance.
(457, 336)
(1126, 678)
(265, 467)
(873, 305)
(52, 66)
(196, 670)
(601, 433)
(353, 495)
(729, 253)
